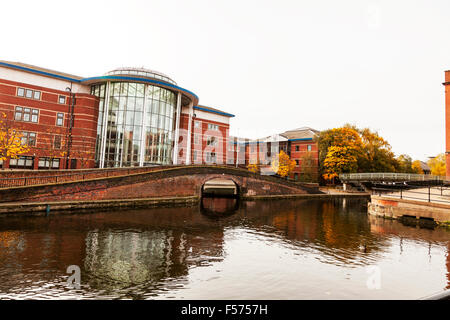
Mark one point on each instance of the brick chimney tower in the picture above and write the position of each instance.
(447, 120)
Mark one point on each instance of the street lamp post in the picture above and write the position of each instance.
(71, 119)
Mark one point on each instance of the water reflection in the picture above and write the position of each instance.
(168, 252)
(219, 206)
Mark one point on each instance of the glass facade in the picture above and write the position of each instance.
(139, 124)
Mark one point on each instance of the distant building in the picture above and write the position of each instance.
(425, 168)
(296, 143)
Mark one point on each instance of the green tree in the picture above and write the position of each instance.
(404, 164)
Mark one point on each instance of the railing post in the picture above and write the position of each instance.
(25, 181)
(401, 195)
(429, 194)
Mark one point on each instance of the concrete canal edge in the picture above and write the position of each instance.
(45, 208)
(394, 208)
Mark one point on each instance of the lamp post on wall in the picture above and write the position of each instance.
(71, 118)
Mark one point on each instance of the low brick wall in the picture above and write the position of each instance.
(169, 182)
(396, 208)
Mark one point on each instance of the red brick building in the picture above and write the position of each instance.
(447, 120)
(298, 144)
(127, 117)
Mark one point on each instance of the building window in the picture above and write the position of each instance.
(309, 147)
(62, 100)
(211, 141)
(59, 119)
(21, 92)
(296, 176)
(196, 139)
(210, 157)
(26, 114)
(297, 162)
(23, 162)
(57, 142)
(195, 155)
(37, 95)
(34, 115)
(29, 138)
(29, 93)
(47, 163)
(18, 114)
(213, 126)
(196, 124)
(297, 148)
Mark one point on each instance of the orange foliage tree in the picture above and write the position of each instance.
(344, 146)
(11, 145)
(282, 164)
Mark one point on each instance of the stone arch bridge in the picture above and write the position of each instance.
(177, 181)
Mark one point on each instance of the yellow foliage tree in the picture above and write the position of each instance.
(282, 164)
(437, 165)
(342, 153)
(11, 145)
(416, 166)
(253, 167)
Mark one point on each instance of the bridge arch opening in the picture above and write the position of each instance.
(220, 197)
(221, 188)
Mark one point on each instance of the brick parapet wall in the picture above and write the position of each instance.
(178, 181)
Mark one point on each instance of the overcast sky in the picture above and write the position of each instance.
(276, 65)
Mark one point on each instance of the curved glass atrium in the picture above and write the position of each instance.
(139, 125)
(141, 73)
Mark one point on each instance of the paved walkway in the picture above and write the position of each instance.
(436, 194)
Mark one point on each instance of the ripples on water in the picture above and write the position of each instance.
(264, 250)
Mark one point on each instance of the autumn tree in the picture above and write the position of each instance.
(437, 165)
(339, 149)
(11, 145)
(254, 167)
(417, 167)
(308, 171)
(376, 154)
(54, 142)
(282, 165)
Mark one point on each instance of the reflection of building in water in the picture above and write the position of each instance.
(147, 256)
(135, 257)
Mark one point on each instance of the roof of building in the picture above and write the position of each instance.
(141, 72)
(303, 133)
(42, 71)
(424, 166)
(213, 110)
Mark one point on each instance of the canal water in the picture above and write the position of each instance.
(300, 249)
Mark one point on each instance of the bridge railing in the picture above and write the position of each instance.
(389, 176)
(59, 177)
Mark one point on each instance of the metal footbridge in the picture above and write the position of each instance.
(390, 177)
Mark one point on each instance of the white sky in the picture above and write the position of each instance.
(276, 65)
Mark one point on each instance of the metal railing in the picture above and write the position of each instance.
(431, 193)
(389, 176)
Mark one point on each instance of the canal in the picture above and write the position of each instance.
(285, 249)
